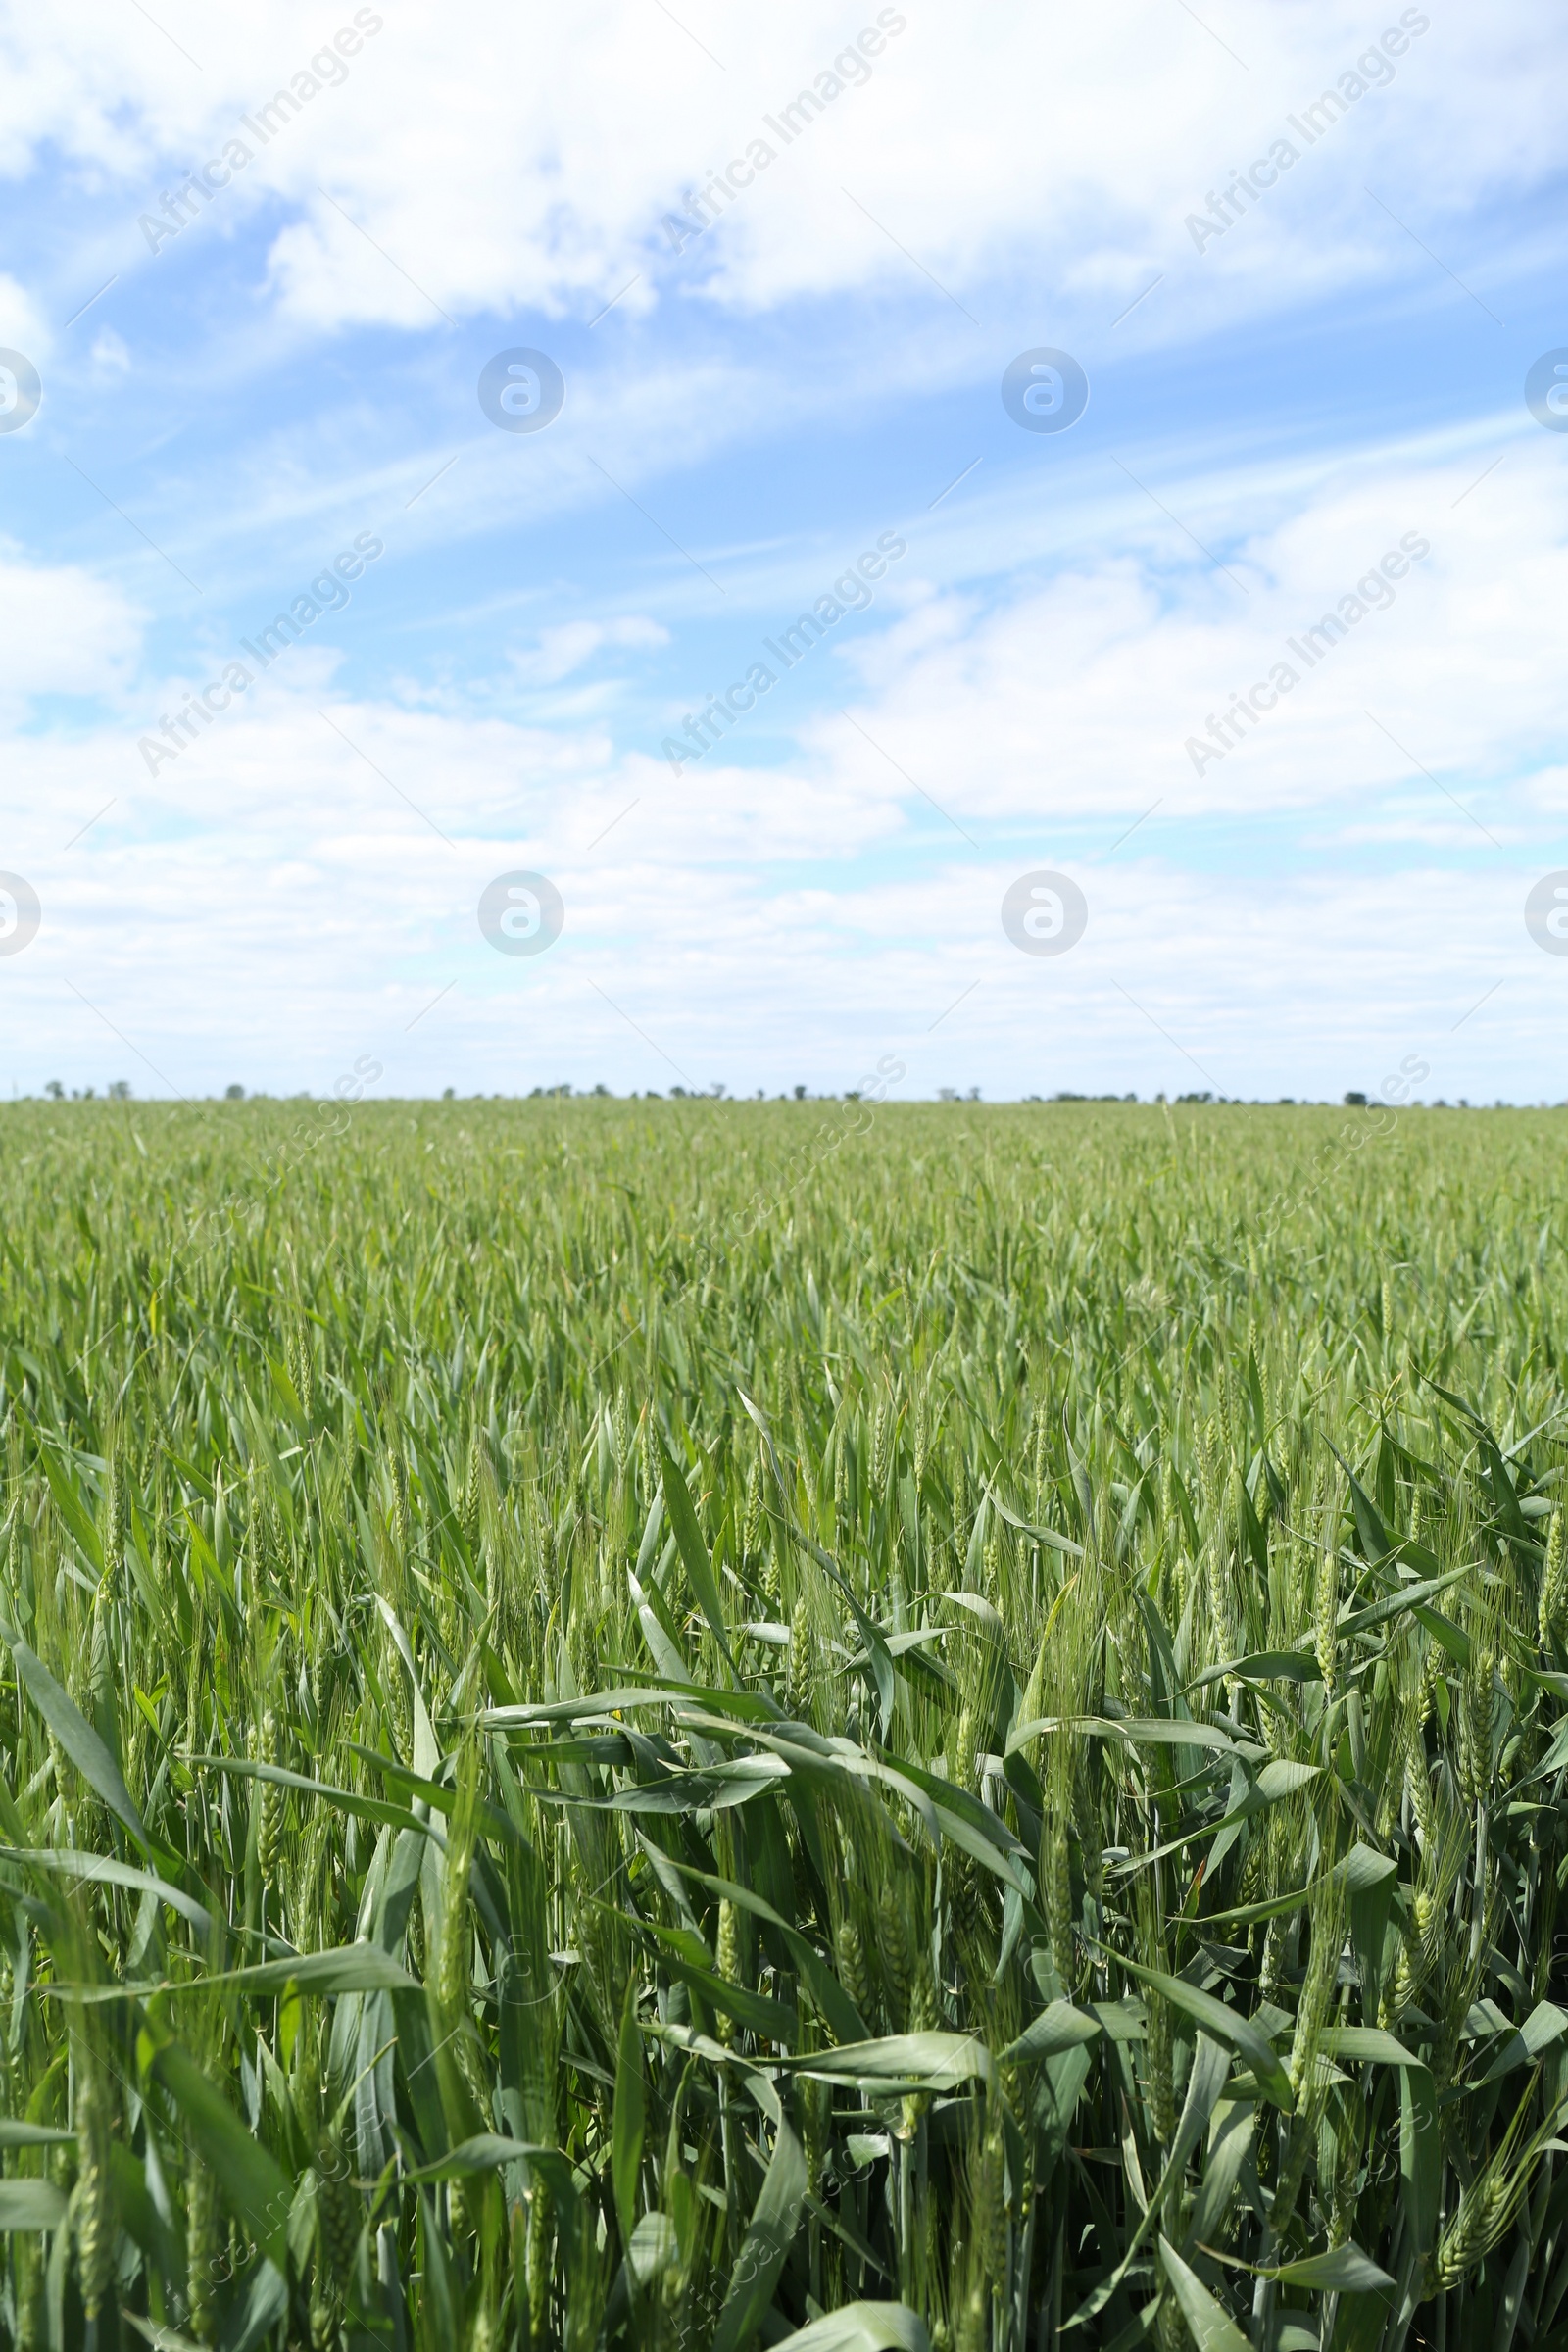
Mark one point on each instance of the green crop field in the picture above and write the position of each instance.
(690, 1725)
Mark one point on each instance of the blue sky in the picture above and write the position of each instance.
(1276, 403)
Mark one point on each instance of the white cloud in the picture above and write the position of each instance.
(1080, 694)
(22, 322)
(66, 633)
(495, 173)
(290, 893)
(283, 899)
(563, 648)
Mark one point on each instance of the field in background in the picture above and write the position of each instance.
(631, 1725)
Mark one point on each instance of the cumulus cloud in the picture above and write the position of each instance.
(303, 881)
(1069, 149)
(563, 648)
(22, 326)
(1113, 680)
(68, 632)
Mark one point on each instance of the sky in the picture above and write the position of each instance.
(412, 422)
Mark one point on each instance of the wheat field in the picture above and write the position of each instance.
(695, 1726)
